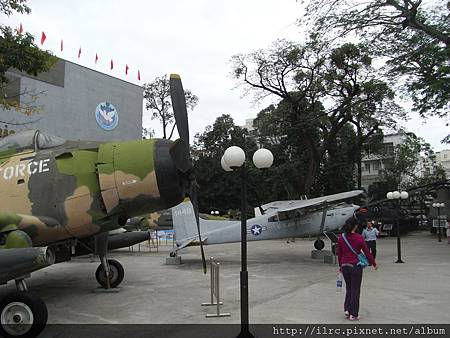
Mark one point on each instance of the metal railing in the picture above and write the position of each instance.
(215, 290)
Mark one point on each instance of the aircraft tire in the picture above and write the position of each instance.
(24, 308)
(116, 274)
(319, 244)
(173, 254)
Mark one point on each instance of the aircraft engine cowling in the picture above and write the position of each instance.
(137, 177)
(15, 263)
(170, 184)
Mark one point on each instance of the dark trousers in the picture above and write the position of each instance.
(372, 247)
(353, 279)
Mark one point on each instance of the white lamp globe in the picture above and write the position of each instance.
(442, 205)
(434, 205)
(262, 158)
(396, 195)
(217, 212)
(224, 165)
(404, 195)
(212, 212)
(234, 157)
(389, 195)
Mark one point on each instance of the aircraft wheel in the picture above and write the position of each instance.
(22, 314)
(173, 254)
(319, 244)
(116, 274)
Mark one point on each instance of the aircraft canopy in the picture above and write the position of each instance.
(30, 139)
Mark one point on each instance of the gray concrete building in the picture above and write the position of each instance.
(373, 164)
(75, 102)
(443, 159)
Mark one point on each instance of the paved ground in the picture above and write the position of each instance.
(286, 286)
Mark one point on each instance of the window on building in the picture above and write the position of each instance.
(388, 148)
(376, 165)
(367, 167)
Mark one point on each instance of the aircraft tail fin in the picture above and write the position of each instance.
(184, 222)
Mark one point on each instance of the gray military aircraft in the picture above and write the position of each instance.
(280, 219)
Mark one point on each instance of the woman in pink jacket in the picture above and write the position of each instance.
(350, 270)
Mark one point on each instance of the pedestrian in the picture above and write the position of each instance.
(370, 235)
(448, 232)
(352, 272)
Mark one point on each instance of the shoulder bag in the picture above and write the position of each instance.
(362, 259)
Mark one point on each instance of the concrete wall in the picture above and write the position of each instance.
(68, 96)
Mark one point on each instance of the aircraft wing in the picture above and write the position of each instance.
(314, 203)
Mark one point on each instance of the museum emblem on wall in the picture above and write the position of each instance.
(107, 116)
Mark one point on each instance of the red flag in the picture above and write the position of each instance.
(139, 75)
(79, 52)
(20, 28)
(43, 37)
(62, 45)
(126, 69)
(96, 58)
(112, 65)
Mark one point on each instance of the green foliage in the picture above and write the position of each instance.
(158, 102)
(7, 7)
(337, 170)
(401, 167)
(220, 190)
(412, 36)
(20, 52)
(321, 91)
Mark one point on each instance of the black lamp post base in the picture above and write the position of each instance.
(399, 261)
(245, 334)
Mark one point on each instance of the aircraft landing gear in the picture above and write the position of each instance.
(22, 314)
(319, 244)
(110, 272)
(115, 274)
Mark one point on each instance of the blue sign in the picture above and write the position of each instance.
(256, 229)
(107, 116)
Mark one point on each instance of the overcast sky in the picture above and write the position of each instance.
(194, 38)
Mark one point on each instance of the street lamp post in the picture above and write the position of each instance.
(396, 195)
(438, 206)
(233, 159)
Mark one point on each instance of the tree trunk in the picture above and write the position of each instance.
(359, 165)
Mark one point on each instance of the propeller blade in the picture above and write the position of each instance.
(179, 107)
(180, 155)
(180, 149)
(194, 201)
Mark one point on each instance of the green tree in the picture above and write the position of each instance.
(320, 91)
(158, 102)
(20, 52)
(337, 170)
(404, 168)
(220, 190)
(412, 35)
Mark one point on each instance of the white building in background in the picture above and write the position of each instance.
(249, 124)
(373, 164)
(443, 158)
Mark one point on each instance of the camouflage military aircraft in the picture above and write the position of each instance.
(56, 192)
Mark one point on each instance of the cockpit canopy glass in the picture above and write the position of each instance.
(30, 139)
(45, 141)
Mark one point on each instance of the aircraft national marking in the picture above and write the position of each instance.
(22, 169)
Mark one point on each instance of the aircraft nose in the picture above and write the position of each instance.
(170, 182)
